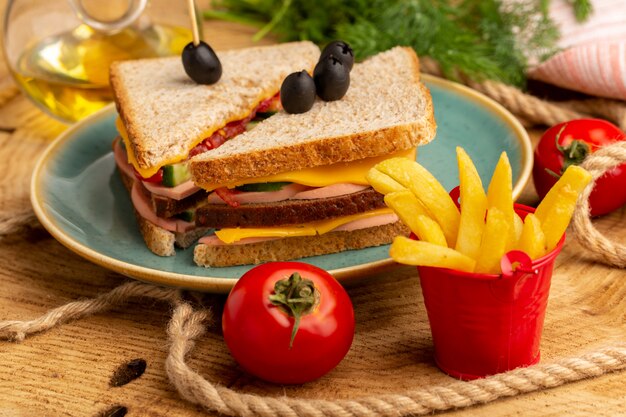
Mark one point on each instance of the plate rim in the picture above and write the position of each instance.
(218, 284)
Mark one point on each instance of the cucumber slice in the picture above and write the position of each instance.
(251, 125)
(262, 186)
(175, 174)
(188, 216)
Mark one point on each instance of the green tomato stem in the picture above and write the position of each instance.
(574, 153)
(296, 297)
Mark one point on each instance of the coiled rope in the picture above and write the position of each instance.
(188, 324)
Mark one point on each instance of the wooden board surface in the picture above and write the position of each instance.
(66, 371)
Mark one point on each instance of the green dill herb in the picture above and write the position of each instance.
(482, 39)
(582, 9)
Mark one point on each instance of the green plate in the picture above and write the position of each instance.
(78, 197)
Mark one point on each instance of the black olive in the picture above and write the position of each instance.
(201, 63)
(332, 78)
(297, 93)
(340, 50)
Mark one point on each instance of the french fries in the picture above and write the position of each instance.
(518, 225)
(413, 213)
(428, 190)
(533, 240)
(487, 226)
(383, 183)
(493, 245)
(557, 208)
(473, 207)
(414, 252)
(500, 194)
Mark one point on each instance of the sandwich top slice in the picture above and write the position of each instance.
(164, 115)
(386, 109)
(295, 184)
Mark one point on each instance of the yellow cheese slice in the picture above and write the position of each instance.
(150, 171)
(308, 229)
(342, 172)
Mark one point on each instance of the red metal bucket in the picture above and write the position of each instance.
(486, 324)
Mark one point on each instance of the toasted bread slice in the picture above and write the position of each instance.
(386, 109)
(288, 212)
(166, 114)
(296, 247)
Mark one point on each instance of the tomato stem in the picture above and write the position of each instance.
(296, 297)
(574, 153)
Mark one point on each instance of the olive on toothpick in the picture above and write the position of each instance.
(200, 60)
(201, 63)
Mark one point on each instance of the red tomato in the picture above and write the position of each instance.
(265, 338)
(569, 143)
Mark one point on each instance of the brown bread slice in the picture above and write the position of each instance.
(386, 109)
(289, 211)
(296, 247)
(166, 113)
(167, 207)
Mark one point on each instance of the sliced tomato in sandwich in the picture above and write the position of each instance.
(156, 178)
(228, 196)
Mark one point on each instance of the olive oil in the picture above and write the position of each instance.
(68, 74)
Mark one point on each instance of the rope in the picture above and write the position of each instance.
(601, 248)
(17, 330)
(187, 325)
(530, 108)
(613, 110)
(534, 111)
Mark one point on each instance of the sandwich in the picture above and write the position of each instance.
(251, 181)
(295, 185)
(165, 119)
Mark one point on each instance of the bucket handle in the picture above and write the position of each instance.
(516, 263)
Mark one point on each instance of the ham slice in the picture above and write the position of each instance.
(291, 192)
(367, 222)
(142, 205)
(179, 192)
(285, 193)
(122, 160)
(334, 190)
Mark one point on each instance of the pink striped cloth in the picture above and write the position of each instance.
(593, 55)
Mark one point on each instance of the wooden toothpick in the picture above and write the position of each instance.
(194, 22)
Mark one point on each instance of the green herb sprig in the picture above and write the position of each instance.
(482, 39)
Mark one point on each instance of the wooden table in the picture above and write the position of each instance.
(66, 371)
